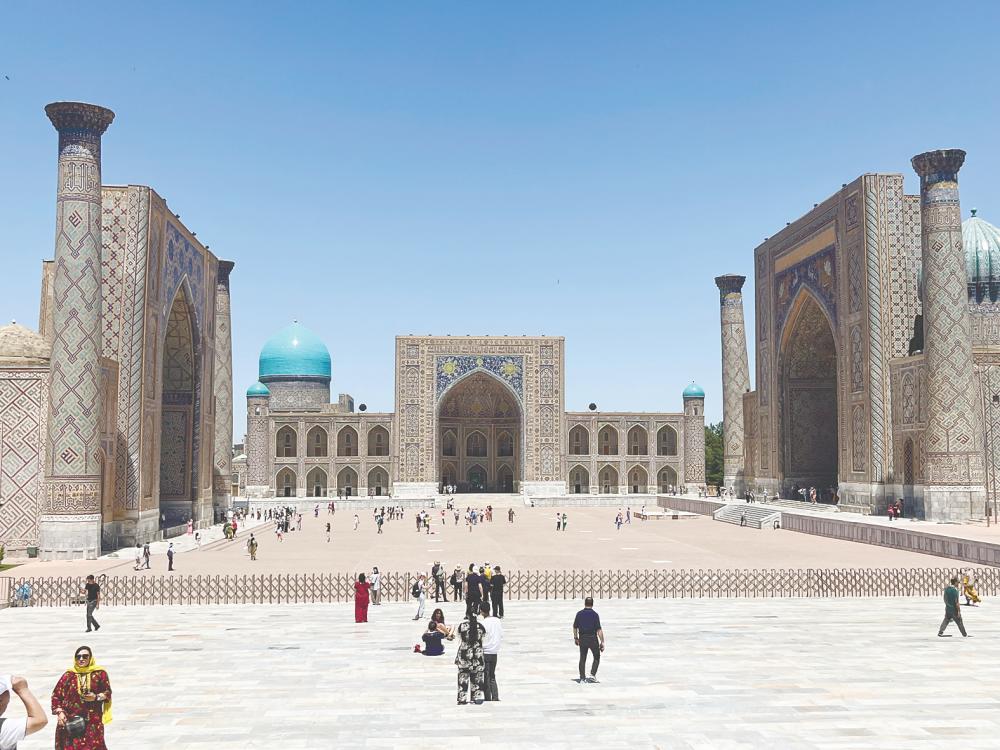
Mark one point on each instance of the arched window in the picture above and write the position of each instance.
(607, 440)
(609, 481)
(475, 445)
(579, 481)
(284, 483)
(347, 442)
(316, 483)
(378, 481)
(637, 480)
(505, 479)
(505, 446)
(378, 441)
(285, 443)
(316, 442)
(667, 479)
(347, 482)
(666, 441)
(449, 444)
(579, 441)
(638, 441)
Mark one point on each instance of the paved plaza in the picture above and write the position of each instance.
(706, 674)
(531, 542)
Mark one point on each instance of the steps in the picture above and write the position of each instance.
(757, 516)
(802, 505)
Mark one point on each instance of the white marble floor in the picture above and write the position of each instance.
(777, 674)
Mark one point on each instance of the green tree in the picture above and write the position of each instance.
(713, 454)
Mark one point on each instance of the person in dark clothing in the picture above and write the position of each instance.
(93, 602)
(589, 636)
(951, 610)
(456, 584)
(484, 584)
(433, 640)
(497, 582)
(473, 591)
(439, 583)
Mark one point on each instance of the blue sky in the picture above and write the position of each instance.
(561, 168)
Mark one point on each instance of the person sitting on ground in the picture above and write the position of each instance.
(433, 640)
(437, 617)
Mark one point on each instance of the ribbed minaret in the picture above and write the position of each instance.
(70, 521)
(954, 489)
(222, 470)
(735, 378)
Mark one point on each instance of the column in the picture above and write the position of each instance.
(954, 489)
(223, 465)
(70, 521)
(735, 378)
(694, 443)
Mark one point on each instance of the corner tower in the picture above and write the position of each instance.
(694, 436)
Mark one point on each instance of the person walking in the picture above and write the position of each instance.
(376, 582)
(146, 554)
(327, 532)
(252, 546)
(564, 522)
(138, 557)
(93, 591)
(492, 639)
(558, 521)
(84, 691)
(419, 592)
(14, 730)
(497, 583)
(470, 661)
(951, 610)
(356, 521)
(589, 636)
(170, 557)
(440, 587)
(361, 589)
(743, 519)
(457, 581)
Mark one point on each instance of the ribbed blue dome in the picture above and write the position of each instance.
(981, 242)
(294, 351)
(694, 391)
(258, 389)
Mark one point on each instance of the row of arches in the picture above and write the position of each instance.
(477, 477)
(286, 444)
(636, 441)
(286, 482)
(477, 444)
(608, 480)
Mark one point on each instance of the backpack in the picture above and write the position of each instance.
(453, 581)
(415, 591)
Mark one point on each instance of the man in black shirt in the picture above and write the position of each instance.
(473, 591)
(93, 602)
(497, 582)
(589, 637)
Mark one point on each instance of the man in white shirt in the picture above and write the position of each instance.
(13, 731)
(491, 647)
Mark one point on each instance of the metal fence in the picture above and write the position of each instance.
(521, 585)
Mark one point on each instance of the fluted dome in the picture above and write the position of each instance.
(981, 242)
(22, 346)
(258, 389)
(694, 391)
(292, 352)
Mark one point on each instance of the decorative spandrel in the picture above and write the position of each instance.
(450, 368)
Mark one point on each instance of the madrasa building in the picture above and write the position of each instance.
(481, 414)
(116, 416)
(877, 339)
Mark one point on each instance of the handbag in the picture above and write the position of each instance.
(76, 726)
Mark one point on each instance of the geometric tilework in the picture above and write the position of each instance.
(22, 409)
(735, 373)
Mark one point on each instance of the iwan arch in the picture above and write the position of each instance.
(482, 414)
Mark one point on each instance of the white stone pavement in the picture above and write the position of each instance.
(779, 674)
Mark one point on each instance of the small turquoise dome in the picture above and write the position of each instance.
(294, 351)
(258, 389)
(981, 242)
(694, 391)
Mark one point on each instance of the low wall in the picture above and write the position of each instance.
(705, 506)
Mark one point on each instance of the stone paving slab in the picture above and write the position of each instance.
(726, 673)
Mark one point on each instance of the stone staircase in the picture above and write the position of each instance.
(802, 505)
(757, 516)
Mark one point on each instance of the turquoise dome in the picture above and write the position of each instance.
(258, 389)
(981, 242)
(694, 391)
(294, 352)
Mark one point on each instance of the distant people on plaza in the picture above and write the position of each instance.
(497, 584)
(170, 557)
(618, 521)
(14, 730)
(510, 515)
(951, 610)
(433, 640)
(93, 592)
(558, 521)
(376, 588)
(469, 660)
(419, 592)
(197, 539)
(969, 591)
(356, 521)
(440, 587)
(252, 546)
(564, 522)
(628, 514)
(899, 508)
(138, 556)
(891, 511)
(316, 511)
(473, 591)
(492, 639)
(328, 531)
(743, 519)
(361, 589)
(457, 582)
(190, 526)
(589, 636)
(83, 692)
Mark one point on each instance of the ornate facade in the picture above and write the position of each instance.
(869, 387)
(110, 409)
(484, 414)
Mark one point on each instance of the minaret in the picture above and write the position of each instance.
(735, 378)
(258, 441)
(954, 487)
(70, 520)
(694, 437)
(222, 469)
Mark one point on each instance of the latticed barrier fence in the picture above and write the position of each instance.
(302, 588)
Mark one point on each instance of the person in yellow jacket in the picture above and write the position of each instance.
(969, 591)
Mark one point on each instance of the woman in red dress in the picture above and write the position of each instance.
(84, 690)
(361, 587)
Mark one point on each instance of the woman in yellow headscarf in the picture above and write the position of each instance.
(83, 691)
(969, 591)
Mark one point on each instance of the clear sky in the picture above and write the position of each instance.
(562, 168)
